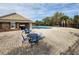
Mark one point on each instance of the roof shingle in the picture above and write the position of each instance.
(14, 17)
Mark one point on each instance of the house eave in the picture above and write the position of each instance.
(25, 21)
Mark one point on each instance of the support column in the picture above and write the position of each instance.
(30, 25)
(17, 26)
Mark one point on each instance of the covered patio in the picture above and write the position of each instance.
(14, 21)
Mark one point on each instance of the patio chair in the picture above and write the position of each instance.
(34, 38)
(24, 38)
(27, 31)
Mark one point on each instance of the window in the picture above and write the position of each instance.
(13, 25)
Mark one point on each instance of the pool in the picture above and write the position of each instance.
(41, 27)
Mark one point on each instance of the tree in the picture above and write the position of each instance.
(38, 23)
(70, 22)
(64, 20)
(59, 19)
(76, 21)
(56, 18)
(46, 21)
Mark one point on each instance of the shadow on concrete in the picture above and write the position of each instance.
(41, 49)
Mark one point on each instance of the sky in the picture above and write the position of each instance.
(38, 11)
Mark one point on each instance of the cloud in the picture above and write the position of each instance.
(37, 11)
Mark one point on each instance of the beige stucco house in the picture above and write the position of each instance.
(14, 21)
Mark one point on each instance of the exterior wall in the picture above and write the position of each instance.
(0, 26)
(17, 26)
(5, 26)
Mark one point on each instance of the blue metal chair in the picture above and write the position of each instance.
(33, 38)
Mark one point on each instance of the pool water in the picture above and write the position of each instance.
(41, 27)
